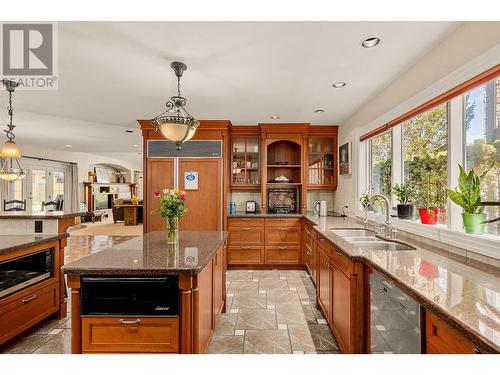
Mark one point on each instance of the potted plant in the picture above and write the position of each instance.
(468, 196)
(171, 208)
(365, 205)
(404, 194)
(428, 199)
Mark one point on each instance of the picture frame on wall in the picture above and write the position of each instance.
(345, 158)
(102, 175)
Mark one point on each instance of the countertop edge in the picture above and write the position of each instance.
(40, 241)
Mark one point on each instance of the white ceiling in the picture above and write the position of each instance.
(112, 73)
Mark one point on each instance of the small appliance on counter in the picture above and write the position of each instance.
(251, 207)
(321, 208)
(232, 208)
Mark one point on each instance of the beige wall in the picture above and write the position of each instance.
(436, 72)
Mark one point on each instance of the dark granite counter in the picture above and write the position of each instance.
(9, 244)
(40, 215)
(149, 254)
(465, 297)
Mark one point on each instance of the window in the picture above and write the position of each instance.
(381, 163)
(15, 190)
(425, 154)
(482, 139)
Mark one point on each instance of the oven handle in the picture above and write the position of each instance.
(31, 298)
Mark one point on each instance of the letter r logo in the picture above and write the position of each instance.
(27, 49)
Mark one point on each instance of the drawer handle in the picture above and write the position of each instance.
(245, 247)
(124, 321)
(341, 254)
(308, 252)
(31, 298)
(245, 219)
(283, 247)
(246, 229)
(282, 229)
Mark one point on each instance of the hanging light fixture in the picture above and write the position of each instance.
(10, 157)
(176, 124)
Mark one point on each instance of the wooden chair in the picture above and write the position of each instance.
(57, 204)
(18, 205)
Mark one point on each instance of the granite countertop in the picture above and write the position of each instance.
(40, 215)
(466, 297)
(9, 243)
(149, 254)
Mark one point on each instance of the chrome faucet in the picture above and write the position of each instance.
(389, 230)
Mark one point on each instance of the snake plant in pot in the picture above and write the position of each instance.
(404, 194)
(468, 196)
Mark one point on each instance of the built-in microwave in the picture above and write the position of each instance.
(22, 272)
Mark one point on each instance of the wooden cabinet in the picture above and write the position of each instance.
(245, 172)
(276, 236)
(246, 236)
(282, 254)
(130, 334)
(160, 176)
(343, 305)
(310, 251)
(245, 255)
(440, 338)
(325, 284)
(322, 161)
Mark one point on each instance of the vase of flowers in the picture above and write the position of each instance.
(171, 208)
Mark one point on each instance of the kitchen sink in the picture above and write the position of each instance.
(355, 232)
(366, 239)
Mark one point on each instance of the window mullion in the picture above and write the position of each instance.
(455, 156)
(397, 157)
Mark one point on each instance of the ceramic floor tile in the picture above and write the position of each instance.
(273, 284)
(226, 324)
(323, 338)
(292, 273)
(266, 274)
(256, 319)
(267, 342)
(249, 300)
(58, 344)
(245, 286)
(24, 344)
(237, 275)
(309, 314)
(291, 313)
(226, 345)
(277, 297)
(301, 338)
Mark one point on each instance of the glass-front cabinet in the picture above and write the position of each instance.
(322, 162)
(246, 162)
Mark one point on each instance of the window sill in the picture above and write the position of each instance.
(485, 244)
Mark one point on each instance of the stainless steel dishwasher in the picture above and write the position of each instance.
(394, 319)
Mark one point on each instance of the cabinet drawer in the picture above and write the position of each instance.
(130, 334)
(245, 255)
(246, 236)
(282, 254)
(27, 310)
(442, 339)
(245, 222)
(325, 245)
(283, 222)
(308, 237)
(342, 261)
(283, 236)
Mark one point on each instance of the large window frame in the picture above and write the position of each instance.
(452, 231)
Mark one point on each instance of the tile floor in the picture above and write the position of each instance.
(267, 312)
(271, 312)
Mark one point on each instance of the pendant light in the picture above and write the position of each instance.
(10, 157)
(176, 124)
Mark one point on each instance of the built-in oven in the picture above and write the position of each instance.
(22, 272)
(130, 295)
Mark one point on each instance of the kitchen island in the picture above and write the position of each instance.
(147, 296)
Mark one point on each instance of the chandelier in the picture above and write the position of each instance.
(10, 157)
(176, 124)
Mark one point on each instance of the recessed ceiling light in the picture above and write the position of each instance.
(135, 145)
(68, 145)
(338, 85)
(370, 42)
(274, 117)
(319, 110)
(129, 131)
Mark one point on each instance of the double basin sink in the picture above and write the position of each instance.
(366, 239)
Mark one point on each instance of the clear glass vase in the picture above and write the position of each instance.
(172, 231)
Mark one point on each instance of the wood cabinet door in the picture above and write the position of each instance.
(314, 259)
(342, 302)
(283, 236)
(160, 175)
(203, 205)
(218, 270)
(442, 339)
(324, 284)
